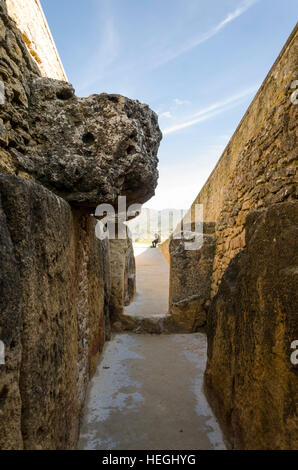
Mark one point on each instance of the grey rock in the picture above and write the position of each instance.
(91, 150)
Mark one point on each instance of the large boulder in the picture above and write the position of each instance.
(251, 325)
(90, 150)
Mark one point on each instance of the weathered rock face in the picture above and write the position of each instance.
(17, 69)
(190, 279)
(123, 276)
(54, 273)
(249, 377)
(129, 274)
(10, 333)
(251, 324)
(90, 150)
(86, 150)
(54, 299)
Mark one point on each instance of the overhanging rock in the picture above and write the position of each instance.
(90, 150)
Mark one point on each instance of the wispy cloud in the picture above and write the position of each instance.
(212, 110)
(170, 112)
(194, 42)
(180, 102)
(110, 55)
(166, 114)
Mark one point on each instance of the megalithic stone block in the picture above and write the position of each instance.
(90, 150)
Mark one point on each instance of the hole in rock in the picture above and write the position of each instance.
(130, 150)
(64, 94)
(88, 138)
(114, 99)
(3, 394)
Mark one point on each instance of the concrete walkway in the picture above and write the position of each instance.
(152, 297)
(147, 391)
(147, 394)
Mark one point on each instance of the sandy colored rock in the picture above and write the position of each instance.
(54, 272)
(188, 315)
(123, 276)
(250, 379)
(251, 324)
(54, 299)
(129, 274)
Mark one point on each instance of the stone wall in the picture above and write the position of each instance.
(190, 279)
(54, 292)
(250, 379)
(123, 276)
(251, 197)
(60, 156)
(17, 70)
(165, 249)
(30, 20)
(259, 165)
(129, 274)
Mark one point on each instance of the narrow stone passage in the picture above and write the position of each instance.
(152, 297)
(147, 392)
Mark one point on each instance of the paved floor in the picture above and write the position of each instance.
(147, 394)
(152, 297)
(147, 391)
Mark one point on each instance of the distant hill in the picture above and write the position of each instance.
(163, 222)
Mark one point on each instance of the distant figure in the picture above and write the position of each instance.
(156, 240)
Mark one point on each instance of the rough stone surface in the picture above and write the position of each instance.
(54, 298)
(86, 150)
(251, 324)
(17, 70)
(123, 276)
(250, 379)
(10, 333)
(129, 274)
(90, 150)
(190, 279)
(151, 325)
(54, 273)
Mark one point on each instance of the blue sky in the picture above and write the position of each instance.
(197, 63)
